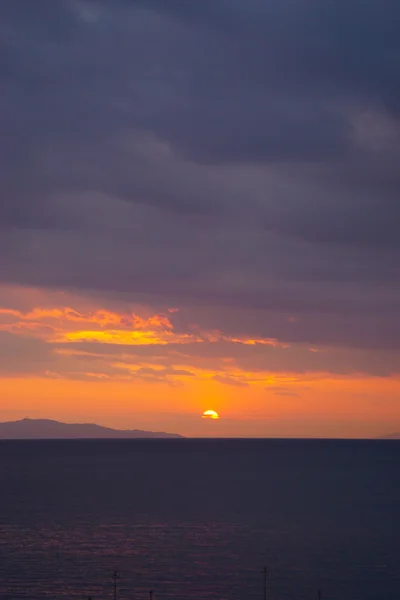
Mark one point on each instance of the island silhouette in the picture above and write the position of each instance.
(25, 429)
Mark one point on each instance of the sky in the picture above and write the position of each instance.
(199, 210)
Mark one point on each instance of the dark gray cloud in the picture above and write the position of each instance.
(222, 152)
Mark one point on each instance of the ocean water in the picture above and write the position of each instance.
(199, 519)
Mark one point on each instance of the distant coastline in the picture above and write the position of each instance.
(29, 429)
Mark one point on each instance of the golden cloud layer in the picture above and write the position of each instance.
(63, 325)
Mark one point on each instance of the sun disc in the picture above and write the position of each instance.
(210, 414)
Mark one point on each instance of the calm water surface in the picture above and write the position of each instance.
(198, 519)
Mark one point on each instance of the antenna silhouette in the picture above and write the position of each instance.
(115, 577)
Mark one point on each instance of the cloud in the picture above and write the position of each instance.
(68, 341)
(216, 156)
(235, 381)
(64, 324)
(23, 356)
(156, 375)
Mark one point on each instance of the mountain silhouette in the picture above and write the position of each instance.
(392, 436)
(47, 429)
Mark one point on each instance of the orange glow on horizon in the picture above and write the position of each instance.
(250, 413)
(72, 359)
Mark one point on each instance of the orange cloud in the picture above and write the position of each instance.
(102, 318)
(256, 342)
(127, 338)
(65, 324)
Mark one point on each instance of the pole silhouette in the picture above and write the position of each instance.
(115, 577)
(265, 574)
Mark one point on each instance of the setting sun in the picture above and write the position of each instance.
(210, 414)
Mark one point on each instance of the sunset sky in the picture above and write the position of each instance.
(200, 211)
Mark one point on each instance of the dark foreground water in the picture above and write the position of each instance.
(199, 519)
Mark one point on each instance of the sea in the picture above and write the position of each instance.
(200, 519)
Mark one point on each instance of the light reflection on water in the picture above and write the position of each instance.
(199, 519)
